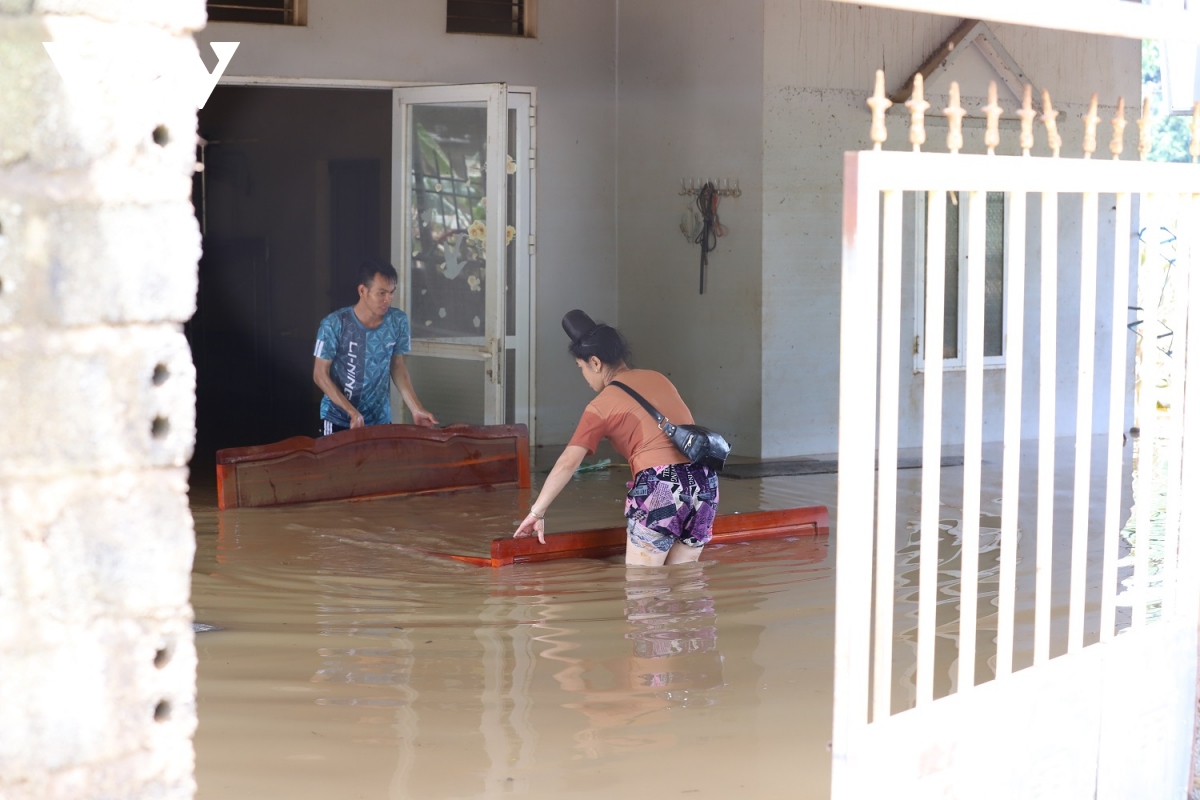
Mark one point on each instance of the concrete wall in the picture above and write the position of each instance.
(819, 62)
(690, 104)
(1075, 726)
(572, 64)
(98, 250)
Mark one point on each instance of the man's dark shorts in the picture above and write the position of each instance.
(328, 428)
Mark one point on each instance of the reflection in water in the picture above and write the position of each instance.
(673, 663)
(673, 628)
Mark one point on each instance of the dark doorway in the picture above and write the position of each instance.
(354, 215)
(294, 194)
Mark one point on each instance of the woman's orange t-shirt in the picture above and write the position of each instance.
(622, 420)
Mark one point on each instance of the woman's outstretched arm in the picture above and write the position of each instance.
(572, 456)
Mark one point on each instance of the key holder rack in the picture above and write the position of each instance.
(725, 187)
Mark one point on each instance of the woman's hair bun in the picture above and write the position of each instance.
(577, 324)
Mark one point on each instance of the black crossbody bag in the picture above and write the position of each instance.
(698, 444)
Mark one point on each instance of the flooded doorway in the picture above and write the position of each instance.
(298, 188)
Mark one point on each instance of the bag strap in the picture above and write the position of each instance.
(659, 418)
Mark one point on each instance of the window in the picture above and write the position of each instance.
(955, 323)
(500, 17)
(271, 12)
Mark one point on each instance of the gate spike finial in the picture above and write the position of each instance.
(917, 105)
(1050, 117)
(1090, 120)
(1144, 130)
(879, 104)
(1027, 115)
(1194, 146)
(992, 111)
(1118, 141)
(954, 114)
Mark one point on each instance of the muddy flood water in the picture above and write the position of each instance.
(349, 663)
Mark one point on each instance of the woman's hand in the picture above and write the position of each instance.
(530, 525)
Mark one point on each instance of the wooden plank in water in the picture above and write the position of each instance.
(373, 461)
(602, 542)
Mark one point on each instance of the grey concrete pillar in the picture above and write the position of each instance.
(98, 253)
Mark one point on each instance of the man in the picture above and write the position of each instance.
(358, 348)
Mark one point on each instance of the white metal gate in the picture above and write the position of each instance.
(1111, 717)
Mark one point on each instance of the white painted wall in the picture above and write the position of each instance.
(571, 63)
(690, 104)
(819, 63)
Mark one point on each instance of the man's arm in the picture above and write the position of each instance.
(322, 379)
(403, 382)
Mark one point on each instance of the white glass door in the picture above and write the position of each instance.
(450, 240)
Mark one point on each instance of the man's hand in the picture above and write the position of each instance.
(532, 525)
(424, 418)
(356, 421)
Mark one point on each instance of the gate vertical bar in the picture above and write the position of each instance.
(1186, 606)
(931, 445)
(1010, 487)
(1047, 378)
(889, 422)
(1173, 444)
(972, 438)
(1147, 379)
(856, 465)
(1188, 575)
(1083, 421)
(1186, 612)
(1116, 418)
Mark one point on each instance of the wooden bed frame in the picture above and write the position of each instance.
(603, 542)
(373, 461)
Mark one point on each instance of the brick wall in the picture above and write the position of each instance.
(98, 252)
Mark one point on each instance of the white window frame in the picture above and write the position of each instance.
(919, 232)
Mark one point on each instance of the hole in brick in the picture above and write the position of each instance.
(161, 136)
(160, 427)
(161, 373)
(162, 657)
(162, 711)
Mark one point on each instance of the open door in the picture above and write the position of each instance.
(450, 237)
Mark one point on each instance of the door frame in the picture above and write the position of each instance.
(494, 96)
(513, 89)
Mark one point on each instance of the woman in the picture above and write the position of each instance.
(671, 503)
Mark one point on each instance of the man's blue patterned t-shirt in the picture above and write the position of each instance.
(362, 360)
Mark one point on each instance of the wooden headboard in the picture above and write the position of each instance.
(373, 461)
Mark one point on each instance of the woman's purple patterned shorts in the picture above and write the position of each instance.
(674, 502)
